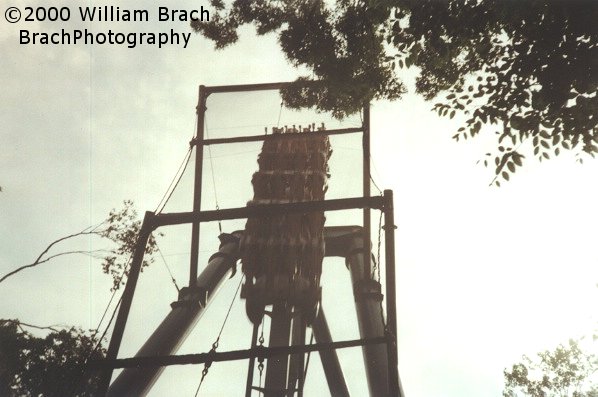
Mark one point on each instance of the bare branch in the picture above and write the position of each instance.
(39, 259)
(120, 228)
(20, 323)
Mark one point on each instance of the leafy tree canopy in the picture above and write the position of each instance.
(565, 372)
(528, 67)
(48, 366)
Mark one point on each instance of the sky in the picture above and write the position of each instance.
(484, 274)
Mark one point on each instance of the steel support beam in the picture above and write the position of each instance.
(346, 241)
(332, 367)
(220, 89)
(259, 138)
(368, 302)
(296, 362)
(391, 295)
(201, 113)
(201, 358)
(367, 223)
(177, 325)
(340, 241)
(259, 87)
(276, 367)
(127, 299)
(268, 210)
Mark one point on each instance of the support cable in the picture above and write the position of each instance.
(375, 185)
(377, 172)
(167, 268)
(212, 171)
(377, 265)
(120, 278)
(260, 359)
(175, 181)
(229, 310)
(77, 381)
(179, 174)
(208, 364)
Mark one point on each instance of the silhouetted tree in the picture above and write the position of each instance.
(49, 366)
(528, 67)
(565, 372)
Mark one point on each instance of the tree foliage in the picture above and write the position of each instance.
(121, 228)
(565, 372)
(47, 366)
(527, 67)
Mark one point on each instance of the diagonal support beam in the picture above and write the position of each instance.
(177, 325)
(127, 298)
(332, 367)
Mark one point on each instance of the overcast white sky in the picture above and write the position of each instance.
(484, 274)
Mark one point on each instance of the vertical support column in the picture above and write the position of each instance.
(201, 113)
(370, 318)
(297, 360)
(276, 369)
(391, 296)
(366, 186)
(127, 298)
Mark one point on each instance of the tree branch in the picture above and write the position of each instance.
(20, 323)
(39, 259)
